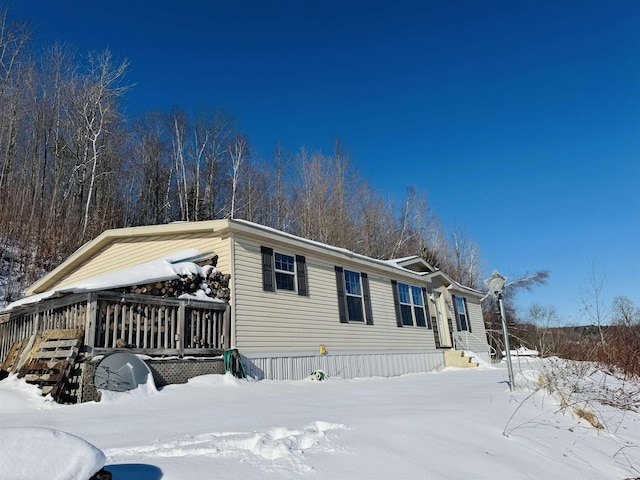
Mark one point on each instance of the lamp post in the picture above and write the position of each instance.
(496, 287)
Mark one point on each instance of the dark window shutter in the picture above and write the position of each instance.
(466, 311)
(455, 313)
(396, 302)
(342, 308)
(268, 284)
(367, 298)
(301, 267)
(425, 299)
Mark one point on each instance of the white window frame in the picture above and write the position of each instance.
(278, 271)
(460, 302)
(412, 305)
(359, 295)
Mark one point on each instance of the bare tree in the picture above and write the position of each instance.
(281, 188)
(594, 305)
(219, 128)
(13, 38)
(97, 107)
(151, 172)
(238, 153)
(625, 312)
(544, 319)
(464, 263)
(375, 225)
(179, 128)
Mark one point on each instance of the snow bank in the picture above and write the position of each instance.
(35, 453)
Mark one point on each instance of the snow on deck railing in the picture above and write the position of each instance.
(110, 320)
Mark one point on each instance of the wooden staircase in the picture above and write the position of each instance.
(457, 358)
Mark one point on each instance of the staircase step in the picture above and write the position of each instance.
(456, 358)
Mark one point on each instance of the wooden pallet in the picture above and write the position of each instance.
(51, 360)
(12, 357)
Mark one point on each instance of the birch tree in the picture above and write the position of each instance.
(97, 97)
(179, 131)
(13, 38)
(238, 153)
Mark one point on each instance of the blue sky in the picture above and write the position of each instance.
(520, 119)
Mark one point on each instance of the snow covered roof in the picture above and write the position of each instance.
(169, 267)
(418, 263)
(223, 227)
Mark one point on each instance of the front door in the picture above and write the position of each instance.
(441, 317)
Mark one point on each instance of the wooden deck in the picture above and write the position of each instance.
(155, 326)
(44, 342)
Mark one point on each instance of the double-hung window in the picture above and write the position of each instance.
(353, 291)
(354, 299)
(462, 317)
(285, 271)
(419, 313)
(410, 307)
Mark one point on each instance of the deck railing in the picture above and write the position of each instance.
(110, 320)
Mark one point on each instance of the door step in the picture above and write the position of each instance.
(457, 358)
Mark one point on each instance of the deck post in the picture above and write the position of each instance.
(180, 330)
(90, 322)
(226, 338)
(36, 322)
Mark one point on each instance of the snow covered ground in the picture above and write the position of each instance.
(452, 424)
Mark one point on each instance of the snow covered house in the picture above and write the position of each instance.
(293, 305)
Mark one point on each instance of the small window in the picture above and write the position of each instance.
(285, 271)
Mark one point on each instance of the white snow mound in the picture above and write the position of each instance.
(34, 453)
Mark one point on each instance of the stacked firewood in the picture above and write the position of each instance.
(214, 285)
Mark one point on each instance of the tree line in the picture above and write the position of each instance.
(73, 164)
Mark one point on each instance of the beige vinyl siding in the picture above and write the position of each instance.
(130, 251)
(478, 338)
(287, 322)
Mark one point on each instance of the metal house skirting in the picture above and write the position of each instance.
(342, 365)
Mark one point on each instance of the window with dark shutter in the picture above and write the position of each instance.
(396, 302)
(283, 272)
(367, 298)
(466, 310)
(301, 267)
(353, 292)
(409, 304)
(354, 297)
(426, 309)
(342, 301)
(268, 283)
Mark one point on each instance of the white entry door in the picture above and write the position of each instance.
(441, 317)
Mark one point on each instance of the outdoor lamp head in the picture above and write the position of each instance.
(496, 283)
